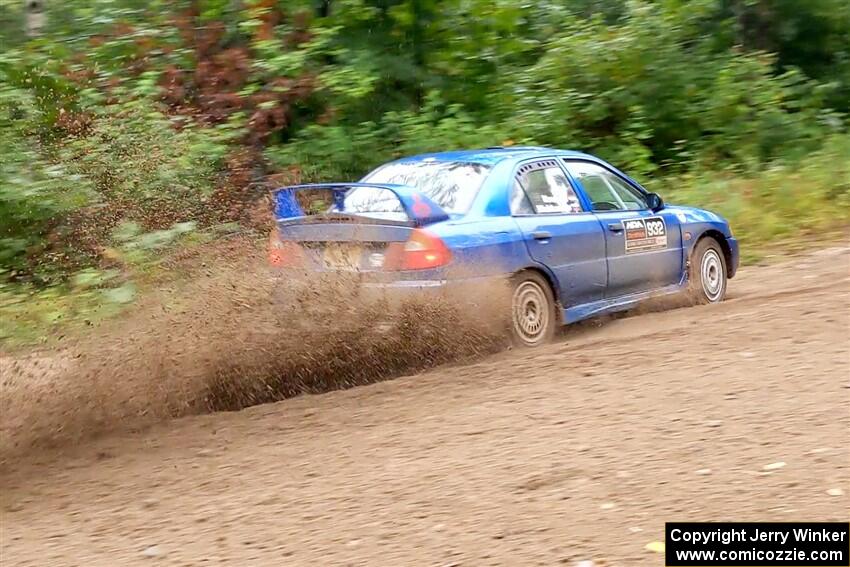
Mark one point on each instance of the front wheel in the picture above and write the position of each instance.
(707, 272)
(533, 314)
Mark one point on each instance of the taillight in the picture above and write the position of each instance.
(284, 253)
(422, 251)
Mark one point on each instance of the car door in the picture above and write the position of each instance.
(558, 232)
(644, 248)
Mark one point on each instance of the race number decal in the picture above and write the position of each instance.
(645, 234)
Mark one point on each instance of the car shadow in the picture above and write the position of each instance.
(590, 327)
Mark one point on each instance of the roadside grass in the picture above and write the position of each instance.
(31, 316)
(782, 207)
(778, 210)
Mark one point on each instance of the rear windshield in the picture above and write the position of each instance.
(452, 185)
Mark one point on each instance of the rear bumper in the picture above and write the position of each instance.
(379, 287)
(473, 289)
(405, 287)
(401, 291)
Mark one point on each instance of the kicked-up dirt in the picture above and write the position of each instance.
(579, 451)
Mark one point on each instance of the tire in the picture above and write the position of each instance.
(707, 272)
(533, 310)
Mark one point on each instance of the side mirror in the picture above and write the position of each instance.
(654, 202)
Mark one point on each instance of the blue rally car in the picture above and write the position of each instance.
(574, 236)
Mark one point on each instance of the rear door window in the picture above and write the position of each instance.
(520, 204)
(546, 189)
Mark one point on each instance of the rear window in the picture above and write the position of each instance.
(452, 185)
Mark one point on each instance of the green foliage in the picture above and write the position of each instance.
(34, 191)
(635, 89)
(71, 157)
(29, 313)
(643, 84)
(137, 247)
(346, 152)
(131, 127)
(807, 198)
(32, 194)
(135, 157)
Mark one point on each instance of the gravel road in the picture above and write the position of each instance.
(579, 451)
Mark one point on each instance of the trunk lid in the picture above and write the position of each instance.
(352, 236)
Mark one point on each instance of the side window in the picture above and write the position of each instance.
(601, 196)
(630, 196)
(547, 188)
(606, 191)
(520, 205)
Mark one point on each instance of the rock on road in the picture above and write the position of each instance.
(579, 451)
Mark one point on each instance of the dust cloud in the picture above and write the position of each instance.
(233, 337)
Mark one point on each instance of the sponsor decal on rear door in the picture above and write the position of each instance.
(645, 234)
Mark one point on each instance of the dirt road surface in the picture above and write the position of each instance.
(576, 452)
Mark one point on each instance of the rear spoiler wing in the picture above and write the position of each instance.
(420, 209)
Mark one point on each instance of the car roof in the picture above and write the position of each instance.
(493, 155)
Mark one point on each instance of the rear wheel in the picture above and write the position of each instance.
(533, 314)
(707, 272)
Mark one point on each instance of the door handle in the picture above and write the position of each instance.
(615, 226)
(541, 235)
